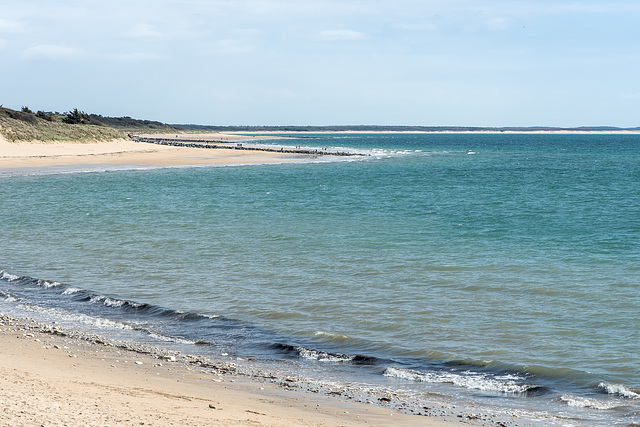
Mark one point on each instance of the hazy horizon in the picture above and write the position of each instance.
(273, 62)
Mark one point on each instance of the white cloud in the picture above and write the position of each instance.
(340, 35)
(9, 26)
(497, 23)
(137, 57)
(231, 46)
(144, 32)
(53, 52)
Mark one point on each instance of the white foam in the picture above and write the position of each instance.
(582, 402)
(619, 390)
(321, 356)
(83, 318)
(104, 323)
(70, 291)
(170, 339)
(8, 276)
(48, 284)
(109, 302)
(96, 298)
(482, 382)
(8, 297)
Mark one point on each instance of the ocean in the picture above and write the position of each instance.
(498, 273)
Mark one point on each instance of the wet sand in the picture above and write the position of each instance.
(50, 376)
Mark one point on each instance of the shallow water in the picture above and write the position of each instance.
(498, 269)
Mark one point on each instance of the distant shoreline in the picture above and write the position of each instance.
(478, 132)
(406, 129)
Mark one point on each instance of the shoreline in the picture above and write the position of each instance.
(122, 153)
(51, 376)
(230, 150)
(447, 132)
(216, 144)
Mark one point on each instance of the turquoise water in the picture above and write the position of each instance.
(489, 264)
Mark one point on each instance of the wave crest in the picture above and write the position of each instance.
(619, 390)
(583, 402)
(473, 381)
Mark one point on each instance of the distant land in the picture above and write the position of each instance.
(76, 125)
(384, 128)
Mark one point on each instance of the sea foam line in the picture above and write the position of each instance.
(482, 382)
(322, 356)
(583, 402)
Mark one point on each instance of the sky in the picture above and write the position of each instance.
(327, 62)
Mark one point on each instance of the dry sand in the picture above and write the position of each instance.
(49, 378)
(39, 155)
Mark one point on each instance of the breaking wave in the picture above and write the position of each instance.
(583, 402)
(619, 390)
(471, 380)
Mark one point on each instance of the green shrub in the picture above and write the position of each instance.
(44, 116)
(23, 116)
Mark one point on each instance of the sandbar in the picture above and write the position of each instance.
(125, 152)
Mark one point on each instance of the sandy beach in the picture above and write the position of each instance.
(52, 377)
(37, 155)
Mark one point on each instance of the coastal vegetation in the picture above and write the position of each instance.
(128, 124)
(25, 125)
(75, 125)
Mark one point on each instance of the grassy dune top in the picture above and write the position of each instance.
(25, 125)
(18, 126)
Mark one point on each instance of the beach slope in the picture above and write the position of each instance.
(56, 379)
(126, 153)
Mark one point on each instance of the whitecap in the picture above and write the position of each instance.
(583, 402)
(8, 276)
(619, 390)
(322, 356)
(109, 302)
(48, 284)
(474, 381)
(96, 298)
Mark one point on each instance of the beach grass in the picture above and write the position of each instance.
(21, 126)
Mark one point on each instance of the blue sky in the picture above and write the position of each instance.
(327, 62)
